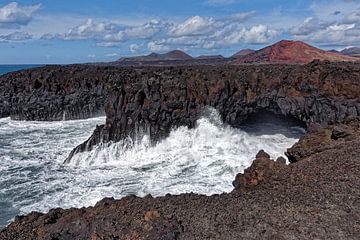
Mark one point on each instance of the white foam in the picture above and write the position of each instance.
(203, 160)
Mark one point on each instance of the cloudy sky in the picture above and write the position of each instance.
(62, 31)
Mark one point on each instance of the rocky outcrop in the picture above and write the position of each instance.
(54, 93)
(321, 139)
(316, 197)
(261, 169)
(157, 100)
(153, 100)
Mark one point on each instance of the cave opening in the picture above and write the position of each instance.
(265, 122)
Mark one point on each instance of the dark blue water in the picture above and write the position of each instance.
(12, 68)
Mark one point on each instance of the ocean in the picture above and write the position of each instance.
(11, 68)
(202, 160)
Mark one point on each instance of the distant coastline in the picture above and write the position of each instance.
(6, 68)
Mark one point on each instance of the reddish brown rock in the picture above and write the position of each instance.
(323, 139)
(260, 170)
(292, 52)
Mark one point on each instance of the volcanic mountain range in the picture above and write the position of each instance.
(285, 51)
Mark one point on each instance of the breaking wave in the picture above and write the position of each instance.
(203, 160)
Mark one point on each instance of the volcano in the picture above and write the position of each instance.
(292, 52)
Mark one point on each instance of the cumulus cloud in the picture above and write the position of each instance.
(108, 34)
(145, 31)
(158, 35)
(193, 26)
(242, 16)
(353, 17)
(310, 25)
(14, 15)
(258, 34)
(16, 37)
(339, 32)
(134, 48)
(90, 30)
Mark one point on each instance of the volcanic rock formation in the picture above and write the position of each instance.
(291, 52)
(322, 93)
(315, 198)
(154, 100)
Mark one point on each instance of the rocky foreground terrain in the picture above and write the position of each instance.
(315, 197)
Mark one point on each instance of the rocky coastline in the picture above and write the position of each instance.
(316, 196)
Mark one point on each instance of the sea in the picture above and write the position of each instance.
(12, 68)
(204, 160)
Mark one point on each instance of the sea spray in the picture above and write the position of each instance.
(204, 160)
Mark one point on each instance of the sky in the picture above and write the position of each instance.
(62, 31)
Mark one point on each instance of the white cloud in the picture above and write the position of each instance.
(258, 34)
(342, 30)
(145, 31)
(16, 37)
(14, 15)
(353, 17)
(193, 26)
(90, 29)
(309, 25)
(242, 16)
(158, 46)
(91, 56)
(196, 32)
(134, 48)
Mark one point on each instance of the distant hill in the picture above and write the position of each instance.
(175, 55)
(242, 53)
(208, 57)
(354, 51)
(291, 52)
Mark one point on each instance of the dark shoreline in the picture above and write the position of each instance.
(316, 197)
(271, 200)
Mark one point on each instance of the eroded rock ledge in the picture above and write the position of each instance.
(153, 101)
(317, 197)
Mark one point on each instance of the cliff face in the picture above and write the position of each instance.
(156, 100)
(153, 100)
(316, 196)
(54, 93)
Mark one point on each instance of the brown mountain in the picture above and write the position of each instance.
(242, 53)
(354, 52)
(175, 55)
(292, 52)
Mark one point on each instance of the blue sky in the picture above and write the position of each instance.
(54, 31)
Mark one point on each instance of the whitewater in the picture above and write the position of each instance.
(202, 160)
